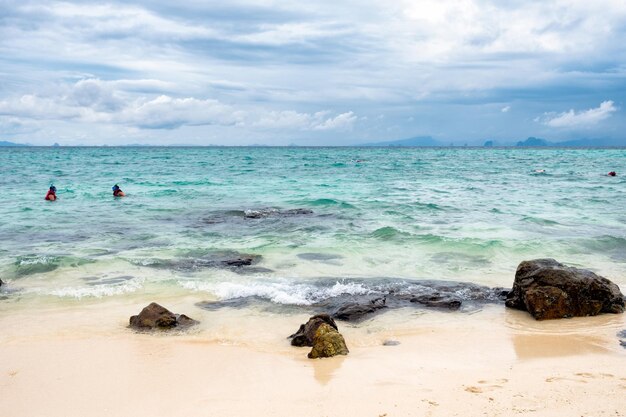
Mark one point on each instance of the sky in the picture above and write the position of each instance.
(335, 72)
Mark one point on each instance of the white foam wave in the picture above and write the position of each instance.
(37, 260)
(98, 291)
(283, 292)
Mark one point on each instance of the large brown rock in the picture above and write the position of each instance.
(321, 333)
(548, 289)
(155, 316)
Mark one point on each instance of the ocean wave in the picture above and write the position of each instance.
(613, 246)
(540, 221)
(329, 202)
(389, 233)
(278, 292)
(426, 206)
(95, 291)
(36, 264)
(463, 244)
(331, 294)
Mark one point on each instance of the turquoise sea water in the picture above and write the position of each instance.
(367, 213)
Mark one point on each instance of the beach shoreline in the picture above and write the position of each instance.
(83, 360)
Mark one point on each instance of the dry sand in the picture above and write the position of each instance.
(81, 360)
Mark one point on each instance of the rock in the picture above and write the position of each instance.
(327, 342)
(272, 212)
(224, 259)
(155, 316)
(296, 212)
(622, 336)
(356, 311)
(321, 333)
(239, 262)
(1, 283)
(306, 333)
(439, 301)
(548, 289)
(320, 257)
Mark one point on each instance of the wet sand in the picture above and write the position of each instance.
(82, 360)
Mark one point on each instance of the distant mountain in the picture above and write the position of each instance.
(5, 143)
(591, 142)
(531, 141)
(416, 141)
(580, 143)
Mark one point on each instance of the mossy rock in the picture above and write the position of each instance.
(327, 342)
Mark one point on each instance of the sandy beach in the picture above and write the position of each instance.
(83, 360)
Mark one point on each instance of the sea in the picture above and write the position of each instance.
(292, 226)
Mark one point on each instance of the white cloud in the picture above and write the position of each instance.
(582, 118)
(96, 101)
(115, 102)
(505, 109)
(290, 119)
(344, 121)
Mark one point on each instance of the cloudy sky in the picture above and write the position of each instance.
(312, 73)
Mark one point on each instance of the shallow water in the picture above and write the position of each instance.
(375, 213)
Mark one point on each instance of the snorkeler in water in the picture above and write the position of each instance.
(52, 193)
(117, 191)
(612, 174)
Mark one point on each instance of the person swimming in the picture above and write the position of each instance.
(117, 191)
(612, 174)
(52, 193)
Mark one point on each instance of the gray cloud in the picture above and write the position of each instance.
(252, 67)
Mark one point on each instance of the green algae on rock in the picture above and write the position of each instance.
(322, 334)
(328, 342)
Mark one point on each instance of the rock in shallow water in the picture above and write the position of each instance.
(439, 301)
(356, 311)
(321, 333)
(155, 316)
(306, 333)
(328, 342)
(548, 289)
(272, 212)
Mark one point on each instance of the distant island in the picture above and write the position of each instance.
(531, 142)
(5, 143)
(576, 143)
(415, 141)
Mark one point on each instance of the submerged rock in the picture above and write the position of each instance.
(439, 301)
(622, 336)
(224, 260)
(548, 289)
(356, 311)
(272, 212)
(155, 316)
